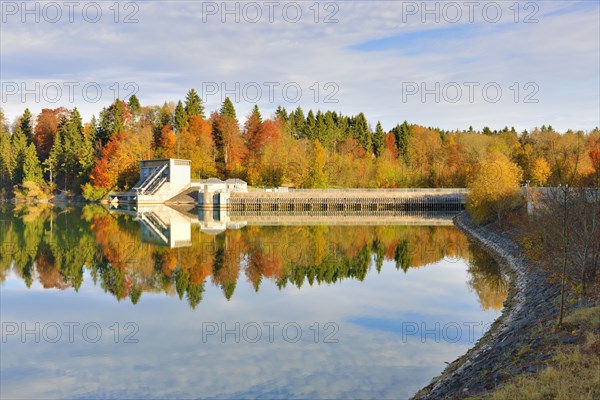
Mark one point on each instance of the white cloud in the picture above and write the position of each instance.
(171, 50)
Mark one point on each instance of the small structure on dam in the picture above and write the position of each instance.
(214, 193)
(160, 180)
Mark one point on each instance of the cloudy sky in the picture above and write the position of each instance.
(445, 64)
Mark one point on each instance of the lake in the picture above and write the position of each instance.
(180, 303)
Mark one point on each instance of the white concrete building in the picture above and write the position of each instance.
(215, 192)
(160, 180)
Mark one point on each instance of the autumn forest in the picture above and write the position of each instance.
(56, 151)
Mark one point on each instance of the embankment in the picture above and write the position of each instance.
(499, 355)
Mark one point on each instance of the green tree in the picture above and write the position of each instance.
(282, 114)
(310, 128)
(361, 132)
(18, 146)
(227, 109)
(134, 105)
(6, 160)
(113, 120)
(180, 119)
(71, 156)
(402, 135)
(193, 104)
(26, 127)
(298, 126)
(378, 140)
(32, 169)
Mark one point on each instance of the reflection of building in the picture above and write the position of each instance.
(160, 180)
(162, 226)
(216, 221)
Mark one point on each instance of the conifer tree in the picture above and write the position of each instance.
(402, 135)
(227, 109)
(310, 128)
(378, 140)
(298, 125)
(18, 145)
(180, 119)
(32, 170)
(193, 104)
(134, 105)
(361, 132)
(26, 127)
(281, 113)
(6, 160)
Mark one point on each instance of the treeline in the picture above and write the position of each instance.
(56, 150)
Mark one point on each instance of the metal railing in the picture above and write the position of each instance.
(140, 189)
(361, 190)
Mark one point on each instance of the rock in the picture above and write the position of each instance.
(536, 342)
(568, 340)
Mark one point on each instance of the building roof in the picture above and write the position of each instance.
(236, 181)
(212, 180)
(167, 159)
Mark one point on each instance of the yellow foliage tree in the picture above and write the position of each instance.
(541, 171)
(494, 188)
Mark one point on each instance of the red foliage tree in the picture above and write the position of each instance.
(46, 126)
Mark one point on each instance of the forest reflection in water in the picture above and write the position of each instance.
(131, 253)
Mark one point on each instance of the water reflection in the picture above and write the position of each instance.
(176, 251)
(385, 283)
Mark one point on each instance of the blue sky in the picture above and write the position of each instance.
(367, 57)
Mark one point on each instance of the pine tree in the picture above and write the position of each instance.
(329, 135)
(298, 124)
(310, 128)
(361, 132)
(281, 113)
(6, 160)
(227, 108)
(193, 104)
(113, 120)
(77, 121)
(180, 119)
(378, 140)
(26, 127)
(86, 152)
(18, 145)
(402, 135)
(53, 163)
(320, 127)
(32, 170)
(134, 105)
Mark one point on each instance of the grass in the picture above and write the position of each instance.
(572, 373)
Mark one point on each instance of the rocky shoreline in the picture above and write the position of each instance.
(499, 355)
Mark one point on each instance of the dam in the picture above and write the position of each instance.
(168, 181)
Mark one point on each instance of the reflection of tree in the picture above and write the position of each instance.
(61, 245)
(402, 256)
(379, 251)
(487, 279)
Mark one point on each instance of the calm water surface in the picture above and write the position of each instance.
(165, 303)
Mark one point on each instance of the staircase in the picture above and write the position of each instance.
(152, 183)
(154, 224)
